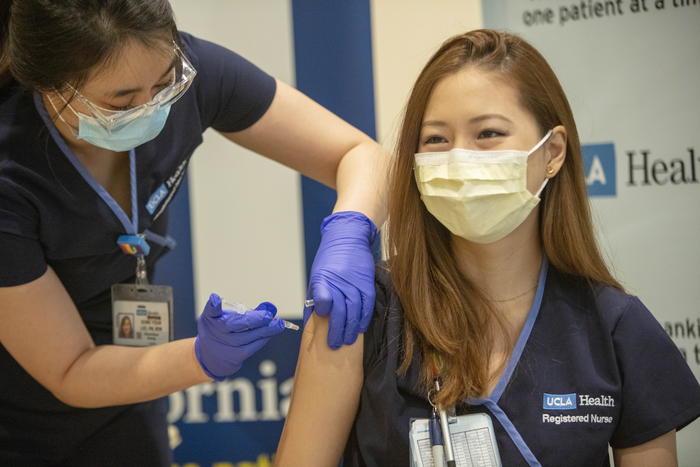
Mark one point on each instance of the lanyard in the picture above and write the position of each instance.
(131, 226)
(491, 402)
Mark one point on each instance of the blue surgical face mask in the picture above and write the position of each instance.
(134, 133)
(138, 131)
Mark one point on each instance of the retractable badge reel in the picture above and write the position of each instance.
(142, 314)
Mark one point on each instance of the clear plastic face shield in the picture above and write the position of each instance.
(114, 120)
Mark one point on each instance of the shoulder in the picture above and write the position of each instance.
(386, 304)
(382, 282)
(23, 160)
(231, 92)
(209, 58)
(625, 313)
(587, 299)
(385, 326)
(197, 49)
(28, 162)
(626, 321)
(19, 121)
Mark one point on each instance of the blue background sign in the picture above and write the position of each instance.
(241, 417)
(599, 168)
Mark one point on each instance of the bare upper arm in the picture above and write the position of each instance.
(325, 398)
(659, 452)
(299, 133)
(42, 329)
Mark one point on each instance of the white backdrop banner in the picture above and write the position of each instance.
(631, 71)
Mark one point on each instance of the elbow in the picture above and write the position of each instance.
(71, 399)
(74, 397)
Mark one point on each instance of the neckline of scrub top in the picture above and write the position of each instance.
(524, 334)
(491, 402)
(130, 225)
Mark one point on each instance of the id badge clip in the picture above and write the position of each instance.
(142, 314)
(133, 244)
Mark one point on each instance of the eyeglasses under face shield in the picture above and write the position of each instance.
(113, 120)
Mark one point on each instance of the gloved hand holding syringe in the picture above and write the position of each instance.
(229, 332)
(241, 309)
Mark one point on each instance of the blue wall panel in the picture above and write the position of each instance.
(333, 57)
(175, 268)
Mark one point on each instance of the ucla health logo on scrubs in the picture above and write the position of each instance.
(164, 193)
(568, 401)
(559, 401)
(156, 198)
(599, 168)
(583, 402)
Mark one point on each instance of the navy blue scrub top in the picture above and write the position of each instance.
(591, 367)
(50, 215)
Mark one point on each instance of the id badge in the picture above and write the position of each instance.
(473, 440)
(142, 315)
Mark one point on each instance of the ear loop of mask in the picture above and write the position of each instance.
(541, 188)
(542, 141)
(61, 116)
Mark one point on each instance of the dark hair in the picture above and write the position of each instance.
(446, 311)
(48, 43)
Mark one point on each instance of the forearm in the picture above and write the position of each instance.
(42, 329)
(361, 181)
(113, 375)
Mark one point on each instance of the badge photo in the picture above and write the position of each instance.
(142, 315)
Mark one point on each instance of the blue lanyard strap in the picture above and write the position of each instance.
(131, 226)
(166, 241)
(134, 193)
(510, 429)
(491, 402)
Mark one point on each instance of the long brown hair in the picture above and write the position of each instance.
(444, 310)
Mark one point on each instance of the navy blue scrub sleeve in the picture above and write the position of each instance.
(659, 391)
(235, 92)
(376, 334)
(21, 256)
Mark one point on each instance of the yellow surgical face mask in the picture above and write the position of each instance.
(481, 196)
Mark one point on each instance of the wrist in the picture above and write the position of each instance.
(200, 368)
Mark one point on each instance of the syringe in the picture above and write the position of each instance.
(241, 309)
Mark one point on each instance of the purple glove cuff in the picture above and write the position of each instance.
(352, 217)
(199, 359)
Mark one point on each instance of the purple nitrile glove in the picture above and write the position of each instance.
(226, 338)
(342, 276)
